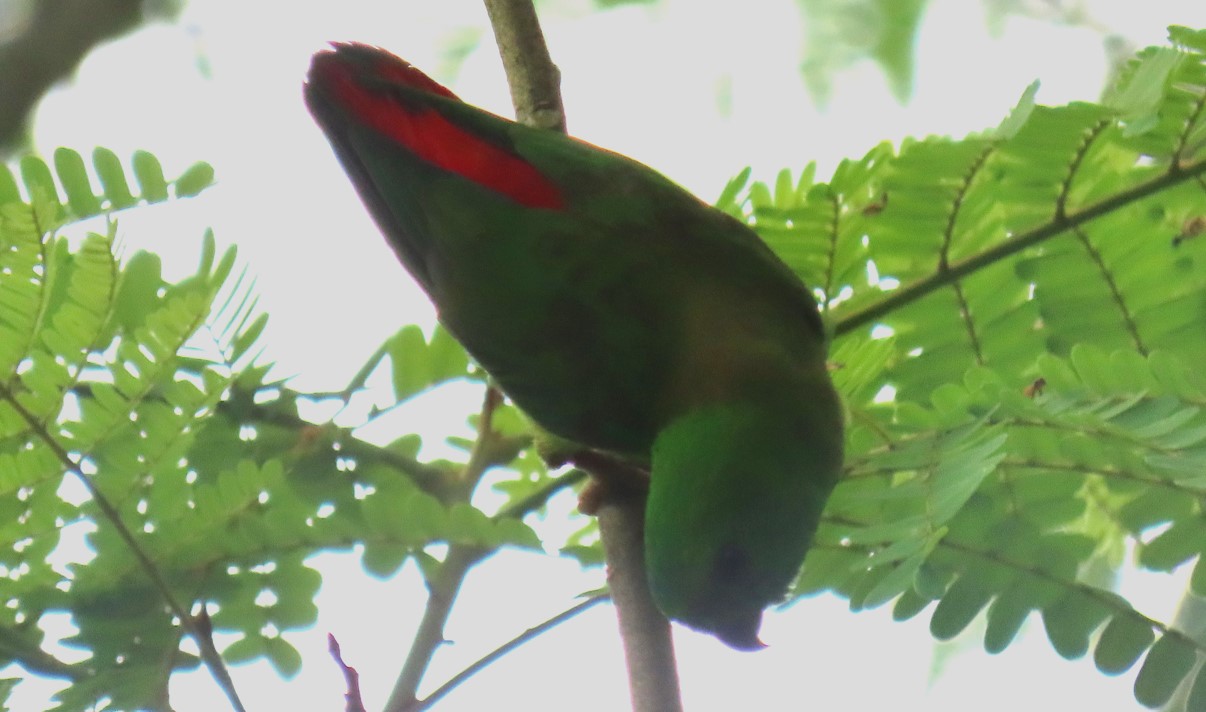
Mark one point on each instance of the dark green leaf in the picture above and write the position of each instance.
(1182, 541)
(958, 607)
(1166, 665)
(1122, 642)
(1071, 620)
(1006, 615)
(909, 605)
(1197, 694)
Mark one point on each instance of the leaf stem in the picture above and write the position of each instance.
(1057, 225)
(512, 644)
(443, 589)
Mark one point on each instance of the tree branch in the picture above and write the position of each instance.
(534, 80)
(648, 646)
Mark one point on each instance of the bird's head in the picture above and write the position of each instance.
(735, 497)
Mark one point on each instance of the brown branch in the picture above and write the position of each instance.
(648, 646)
(534, 80)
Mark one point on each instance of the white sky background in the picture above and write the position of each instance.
(640, 81)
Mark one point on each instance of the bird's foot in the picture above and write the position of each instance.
(610, 477)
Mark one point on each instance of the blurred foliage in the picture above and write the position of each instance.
(838, 33)
(43, 41)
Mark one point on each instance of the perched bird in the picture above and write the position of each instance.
(619, 312)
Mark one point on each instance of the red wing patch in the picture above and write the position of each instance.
(426, 133)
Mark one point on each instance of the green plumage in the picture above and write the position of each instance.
(619, 312)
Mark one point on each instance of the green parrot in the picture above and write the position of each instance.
(619, 312)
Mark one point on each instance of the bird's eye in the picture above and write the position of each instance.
(730, 564)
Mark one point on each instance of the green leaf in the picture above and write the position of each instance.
(958, 607)
(897, 43)
(1006, 616)
(246, 649)
(74, 177)
(195, 179)
(39, 183)
(1166, 665)
(1071, 621)
(419, 365)
(150, 178)
(727, 201)
(246, 338)
(1123, 641)
(1020, 113)
(1182, 541)
(7, 685)
(909, 605)
(283, 656)
(840, 34)
(1138, 96)
(112, 179)
(1196, 702)
(8, 187)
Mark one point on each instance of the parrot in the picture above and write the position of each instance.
(617, 311)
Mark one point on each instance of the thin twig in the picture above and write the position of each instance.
(529, 634)
(351, 678)
(537, 499)
(444, 586)
(442, 591)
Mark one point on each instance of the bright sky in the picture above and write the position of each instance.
(640, 81)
